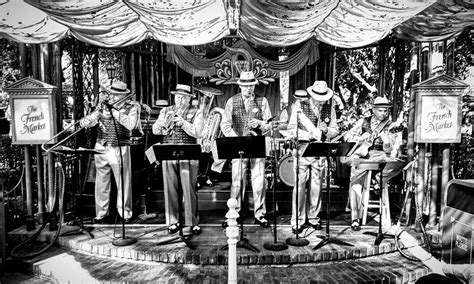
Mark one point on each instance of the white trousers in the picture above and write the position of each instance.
(105, 164)
(309, 192)
(257, 168)
(357, 188)
(187, 175)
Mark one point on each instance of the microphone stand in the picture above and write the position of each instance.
(297, 242)
(124, 241)
(275, 246)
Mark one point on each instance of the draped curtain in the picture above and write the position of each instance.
(186, 60)
(341, 23)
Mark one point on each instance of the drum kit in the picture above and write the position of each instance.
(282, 151)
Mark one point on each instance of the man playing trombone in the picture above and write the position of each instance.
(116, 121)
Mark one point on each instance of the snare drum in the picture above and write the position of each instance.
(286, 170)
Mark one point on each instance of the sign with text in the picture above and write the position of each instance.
(32, 120)
(33, 111)
(440, 120)
(438, 110)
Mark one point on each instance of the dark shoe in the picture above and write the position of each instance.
(102, 220)
(317, 226)
(129, 221)
(196, 230)
(355, 225)
(174, 228)
(262, 222)
(295, 231)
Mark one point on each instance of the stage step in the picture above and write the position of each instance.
(97, 260)
(215, 198)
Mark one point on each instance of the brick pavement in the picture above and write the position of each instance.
(98, 260)
(61, 266)
(209, 243)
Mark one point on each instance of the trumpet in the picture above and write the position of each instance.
(101, 107)
(168, 127)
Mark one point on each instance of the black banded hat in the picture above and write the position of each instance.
(300, 94)
(181, 89)
(381, 102)
(247, 78)
(320, 91)
(119, 88)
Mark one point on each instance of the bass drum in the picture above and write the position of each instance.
(286, 170)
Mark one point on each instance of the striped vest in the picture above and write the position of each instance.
(107, 134)
(240, 117)
(325, 115)
(179, 136)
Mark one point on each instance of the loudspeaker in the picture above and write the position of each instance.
(458, 222)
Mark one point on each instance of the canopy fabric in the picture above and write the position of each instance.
(186, 60)
(341, 23)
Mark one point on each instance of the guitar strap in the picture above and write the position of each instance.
(380, 126)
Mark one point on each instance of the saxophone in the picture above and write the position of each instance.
(249, 131)
(212, 129)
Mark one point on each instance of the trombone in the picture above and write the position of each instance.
(73, 125)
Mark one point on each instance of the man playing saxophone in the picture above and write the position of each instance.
(113, 141)
(180, 123)
(246, 114)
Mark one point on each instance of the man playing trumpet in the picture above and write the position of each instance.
(315, 120)
(180, 124)
(246, 114)
(113, 141)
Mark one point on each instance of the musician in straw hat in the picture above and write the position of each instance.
(373, 132)
(246, 114)
(115, 127)
(181, 123)
(315, 118)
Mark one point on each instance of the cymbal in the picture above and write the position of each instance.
(208, 91)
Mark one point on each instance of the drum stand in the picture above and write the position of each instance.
(275, 246)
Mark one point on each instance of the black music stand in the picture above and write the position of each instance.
(239, 148)
(378, 166)
(178, 152)
(275, 245)
(78, 153)
(328, 150)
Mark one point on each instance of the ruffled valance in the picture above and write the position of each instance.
(342, 23)
(186, 60)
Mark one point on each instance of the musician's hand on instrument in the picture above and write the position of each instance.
(324, 127)
(363, 137)
(254, 123)
(170, 113)
(178, 121)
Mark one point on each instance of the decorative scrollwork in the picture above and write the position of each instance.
(228, 71)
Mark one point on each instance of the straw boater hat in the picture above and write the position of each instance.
(247, 78)
(300, 94)
(381, 102)
(119, 88)
(183, 90)
(320, 91)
